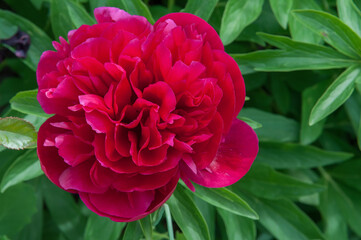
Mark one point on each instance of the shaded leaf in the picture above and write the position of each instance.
(15, 133)
(61, 22)
(137, 7)
(7, 29)
(132, 231)
(201, 8)
(146, 226)
(79, 16)
(98, 227)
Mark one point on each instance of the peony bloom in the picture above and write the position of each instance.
(139, 106)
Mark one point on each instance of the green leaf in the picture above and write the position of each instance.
(353, 110)
(237, 15)
(137, 7)
(78, 15)
(348, 173)
(103, 228)
(15, 133)
(17, 206)
(281, 94)
(281, 10)
(208, 211)
(335, 95)
(274, 127)
(133, 231)
(310, 96)
(350, 14)
(293, 56)
(7, 29)
(238, 227)
(225, 199)
(25, 167)
(26, 102)
(146, 226)
(293, 156)
(253, 124)
(332, 30)
(61, 22)
(284, 220)
(264, 182)
(201, 8)
(187, 216)
(64, 211)
(39, 40)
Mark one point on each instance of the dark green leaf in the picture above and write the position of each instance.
(238, 15)
(39, 40)
(25, 167)
(281, 94)
(137, 7)
(348, 173)
(103, 228)
(187, 216)
(64, 211)
(350, 14)
(146, 226)
(274, 127)
(26, 102)
(201, 8)
(7, 29)
(133, 231)
(61, 22)
(225, 199)
(335, 95)
(17, 206)
(15, 133)
(332, 30)
(281, 9)
(309, 98)
(264, 182)
(293, 156)
(353, 109)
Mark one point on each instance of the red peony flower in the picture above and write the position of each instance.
(139, 106)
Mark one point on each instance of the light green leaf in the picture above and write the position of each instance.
(274, 127)
(15, 133)
(238, 227)
(201, 8)
(61, 22)
(17, 206)
(187, 216)
(103, 228)
(39, 40)
(209, 213)
(293, 156)
(350, 14)
(264, 182)
(281, 10)
(335, 95)
(7, 29)
(237, 15)
(332, 30)
(64, 211)
(310, 96)
(79, 16)
(284, 220)
(25, 167)
(27, 103)
(137, 7)
(225, 199)
(253, 124)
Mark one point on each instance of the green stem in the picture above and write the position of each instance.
(170, 5)
(169, 222)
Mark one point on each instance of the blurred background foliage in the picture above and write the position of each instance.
(301, 61)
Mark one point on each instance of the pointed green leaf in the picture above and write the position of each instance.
(39, 40)
(353, 110)
(61, 22)
(79, 16)
(332, 30)
(25, 167)
(26, 102)
(293, 156)
(274, 127)
(17, 206)
(187, 216)
(201, 8)
(264, 182)
(7, 29)
(281, 10)
(146, 226)
(103, 228)
(348, 173)
(350, 14)
(225, 199)
(309, 98)
(132, 231)
(336, 94)
(253, 124)
(238, 227)
(137, 7)
(15, 133)
(237, 15)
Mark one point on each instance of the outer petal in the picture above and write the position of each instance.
(233, 159)
(184, 19)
